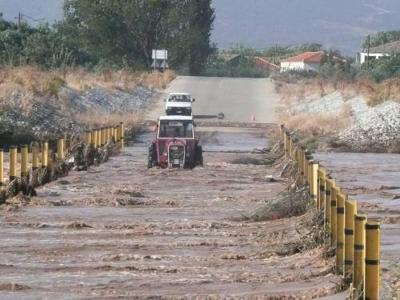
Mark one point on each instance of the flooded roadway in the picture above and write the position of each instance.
(122, 231)
(374, 180)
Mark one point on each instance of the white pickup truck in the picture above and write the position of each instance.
(179, 104)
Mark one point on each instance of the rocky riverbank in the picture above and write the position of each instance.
(346, 123)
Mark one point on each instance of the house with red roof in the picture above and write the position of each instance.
(308, 61)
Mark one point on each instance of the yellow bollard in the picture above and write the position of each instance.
(117, 134)
(45, 155)
(122, 126)
(13, 162)
(308, 158)
(334, 194)
(94, 138)
(98, 138)
(315, 168)
(328, 199)
(372, 260)
(35, 156)
(1, 167)
(359, 255)
(88, 137)
(60, 149)
(340, 211)
(351, 211)
(24, 161)
(321, 192)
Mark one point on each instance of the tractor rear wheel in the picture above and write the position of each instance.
(199, 155)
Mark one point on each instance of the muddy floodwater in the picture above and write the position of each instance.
(374, 180)
(122, 231)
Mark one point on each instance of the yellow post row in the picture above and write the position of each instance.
(340, 211)
(372, 261)
(1, 167)
(35, 156)
(13, 162)
(359, 256)
(24, 161)
(45, 155)
(351, 211)
(334, 194)
(60, 149)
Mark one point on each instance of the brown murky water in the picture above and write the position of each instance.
(122, 231)
(374, 180)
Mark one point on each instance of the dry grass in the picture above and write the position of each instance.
(97, 120)
(375, 93)
(22, 86)
(317, 124)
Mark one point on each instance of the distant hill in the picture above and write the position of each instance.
(339, 24)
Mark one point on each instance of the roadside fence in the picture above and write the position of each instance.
(355, 238)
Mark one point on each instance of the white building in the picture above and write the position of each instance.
(378, 52)
(308, 61)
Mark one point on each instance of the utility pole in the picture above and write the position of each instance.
(19, 19)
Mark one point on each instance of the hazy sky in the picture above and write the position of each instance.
(339, 24)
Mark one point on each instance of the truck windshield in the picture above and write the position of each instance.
(179, 98)
(176, 129)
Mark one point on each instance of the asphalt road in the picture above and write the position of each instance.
(238, 98)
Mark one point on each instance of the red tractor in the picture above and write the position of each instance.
(176, 145)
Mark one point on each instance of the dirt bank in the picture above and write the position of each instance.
(122, 231)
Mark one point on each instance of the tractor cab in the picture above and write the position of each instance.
(176, 145)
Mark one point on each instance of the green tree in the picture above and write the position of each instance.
(201, 21)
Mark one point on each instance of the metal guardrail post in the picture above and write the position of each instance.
(315, 186)
(45, 155)
(122, 129)
(60, 149)
(24, 161)
(328, 199)
(334, 195)
(340, 211)
(359, 255)
(88, 137)
(351, 211)
(13, 162)
(98, 136)
(94, 138)
(35, 156)
(321, 192)
(372, 261)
